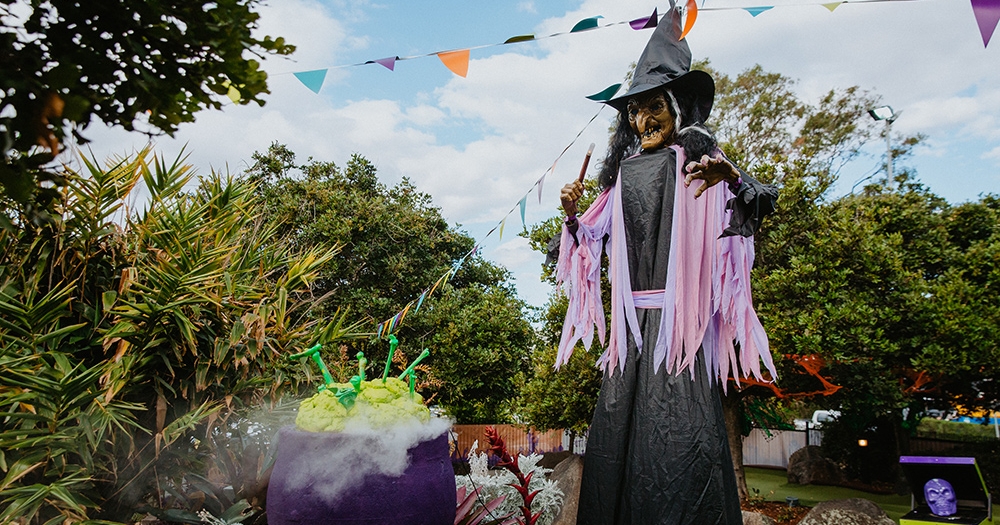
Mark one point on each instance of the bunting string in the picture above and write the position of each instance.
(390, 325)
(986, 12)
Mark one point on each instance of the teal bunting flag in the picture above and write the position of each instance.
(312, 79)
(523, 203)
(754, 11)
(606, 94)
(586, 24)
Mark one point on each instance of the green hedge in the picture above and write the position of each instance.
(954, 431)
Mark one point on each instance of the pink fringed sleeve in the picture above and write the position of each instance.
(706, 301)
(578, 273)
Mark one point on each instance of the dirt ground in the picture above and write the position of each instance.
(781, 513)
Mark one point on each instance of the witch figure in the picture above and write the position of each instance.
(680, 250)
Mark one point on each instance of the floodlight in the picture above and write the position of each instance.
(882, 113)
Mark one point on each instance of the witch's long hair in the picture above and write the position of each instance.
(690, 133)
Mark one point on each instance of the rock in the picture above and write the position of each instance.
(808, 466)
(551, 459)
(854, 511)
(756, 518)
(567, 475)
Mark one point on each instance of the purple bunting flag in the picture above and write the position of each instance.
(519, 38)
(388, 62)
(646, 22)
(987, 15)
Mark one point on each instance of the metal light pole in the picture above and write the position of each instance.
(889, 116)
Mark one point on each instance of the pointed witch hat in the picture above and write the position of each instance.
(666, 63)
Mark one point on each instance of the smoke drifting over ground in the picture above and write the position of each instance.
(334, 462)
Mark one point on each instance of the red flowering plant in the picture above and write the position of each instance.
(509, 462)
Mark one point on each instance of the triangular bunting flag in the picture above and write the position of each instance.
(456, 61)
(645, 23)
(519, 38)
(388, 62)
(312, 79)
(754, 11)
(692, 15)
(523, 203)
(234, 94)
(502, 223)
(832, 5)
(438, 282)
(420, 301)
(987, 15)
(606, 94)
(585, 24)
(541, 182)
(402, 315)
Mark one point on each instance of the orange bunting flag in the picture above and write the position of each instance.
(456, 61)
(692, 15)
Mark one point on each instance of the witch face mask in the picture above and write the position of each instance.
(650, 118)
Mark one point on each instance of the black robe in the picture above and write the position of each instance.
(657, 452)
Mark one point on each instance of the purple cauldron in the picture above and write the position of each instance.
(338, 478)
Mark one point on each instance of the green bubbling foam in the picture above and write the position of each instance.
(379, 405)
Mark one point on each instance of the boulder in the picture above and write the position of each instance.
(854, 511)
(756, 518)
(808, 466)
(567, 475)
(551, 459)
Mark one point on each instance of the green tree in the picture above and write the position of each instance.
(561, 399)
(125, 333)
(394, 244)
(140, 65)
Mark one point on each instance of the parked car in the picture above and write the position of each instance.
(818, 418)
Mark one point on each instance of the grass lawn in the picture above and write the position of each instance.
(773, 485)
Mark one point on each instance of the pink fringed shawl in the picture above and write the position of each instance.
(706, 301)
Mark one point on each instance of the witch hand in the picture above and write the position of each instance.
(712, 170)
(569, 194)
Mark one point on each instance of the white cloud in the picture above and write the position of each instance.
(478, 144)
(993, 154)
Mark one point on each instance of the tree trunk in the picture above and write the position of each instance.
(902, 439)
(734, 429)
(572, 441)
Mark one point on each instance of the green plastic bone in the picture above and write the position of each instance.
(393, 342)
(413, 365)
(314, 354)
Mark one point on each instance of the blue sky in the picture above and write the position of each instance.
(478, 144)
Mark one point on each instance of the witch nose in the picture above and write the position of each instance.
(642, 119)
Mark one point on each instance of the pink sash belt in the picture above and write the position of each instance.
(648, 299)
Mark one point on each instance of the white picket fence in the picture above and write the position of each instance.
(760, 450)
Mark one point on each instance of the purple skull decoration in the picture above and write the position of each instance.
(940, 497)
